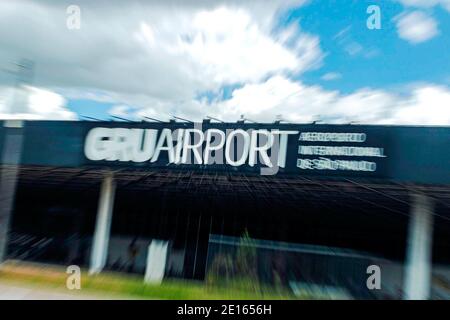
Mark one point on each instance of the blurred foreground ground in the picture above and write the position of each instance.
(33, 281)
(9, 291)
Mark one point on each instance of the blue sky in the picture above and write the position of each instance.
(300, 59)
(90, 108)
(394, 62)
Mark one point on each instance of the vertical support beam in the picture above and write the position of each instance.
(419, 250)
(156, 261)
(10, 161)
(99, 251)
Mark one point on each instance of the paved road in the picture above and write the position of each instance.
(22, 292)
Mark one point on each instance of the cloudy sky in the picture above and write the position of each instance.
(298, 59)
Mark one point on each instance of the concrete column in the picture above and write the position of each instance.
(10, 162)
(99, 251)
(156, 261)
(418, 257)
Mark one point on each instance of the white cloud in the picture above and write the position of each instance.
(301, 103)
(33, 103)
(229, 47)
(330, 76)
(121, 111)
(167, 50)
(416, 27)
(159, 56)
(428, 105)
(425, 104)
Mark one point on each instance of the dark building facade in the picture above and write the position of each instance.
(122, 195)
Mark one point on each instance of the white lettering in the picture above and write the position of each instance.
(212, 146)
(97, 144)
(341, 151)
(261, 149)
(245, 147)
(194, 146)
(220, 136)
(332, 137)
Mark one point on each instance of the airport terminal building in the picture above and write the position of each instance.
(321, 202)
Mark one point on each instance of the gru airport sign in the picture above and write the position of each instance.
(189, 146)
(400, 153)
(266, 148)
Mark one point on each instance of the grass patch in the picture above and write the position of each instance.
(130, 286)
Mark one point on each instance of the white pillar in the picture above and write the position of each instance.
(99, 251)
(156, 261)
(419, 250)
